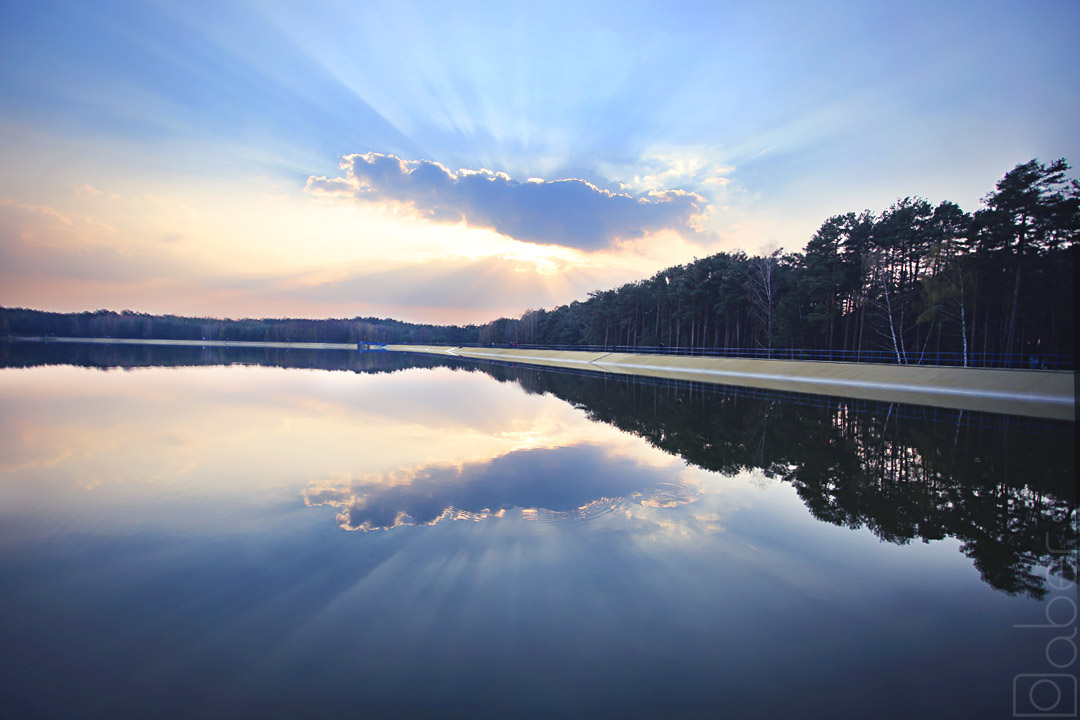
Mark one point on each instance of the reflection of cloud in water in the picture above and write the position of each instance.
(564, 484)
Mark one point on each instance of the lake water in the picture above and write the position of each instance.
(248, 533)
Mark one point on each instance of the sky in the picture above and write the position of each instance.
(458, 162)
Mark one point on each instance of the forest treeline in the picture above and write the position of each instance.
(21, 322)
(912, 279)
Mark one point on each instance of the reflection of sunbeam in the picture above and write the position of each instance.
(574, 484)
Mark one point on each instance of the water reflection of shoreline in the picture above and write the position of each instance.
(1006, 495)
(1005, 490)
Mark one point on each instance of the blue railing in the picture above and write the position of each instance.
(1031, 361)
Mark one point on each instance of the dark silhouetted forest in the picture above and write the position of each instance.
(914, 278)
(20, 322)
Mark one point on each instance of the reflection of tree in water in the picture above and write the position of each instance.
(903, 472)
(123, 355)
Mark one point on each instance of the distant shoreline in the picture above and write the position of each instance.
(188, 343)
(1032, 393)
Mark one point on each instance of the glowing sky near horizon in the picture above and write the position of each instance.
(457, 162)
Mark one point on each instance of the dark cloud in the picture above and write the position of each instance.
(571, 212)
(521, 479)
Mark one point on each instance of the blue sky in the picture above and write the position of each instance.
(219, 158)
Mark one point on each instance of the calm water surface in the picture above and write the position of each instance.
(224, 533)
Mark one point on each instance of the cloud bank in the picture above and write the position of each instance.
(571, 212)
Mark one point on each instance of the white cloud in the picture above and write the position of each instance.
(568, 212)
(35, 209)
(659, 170)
